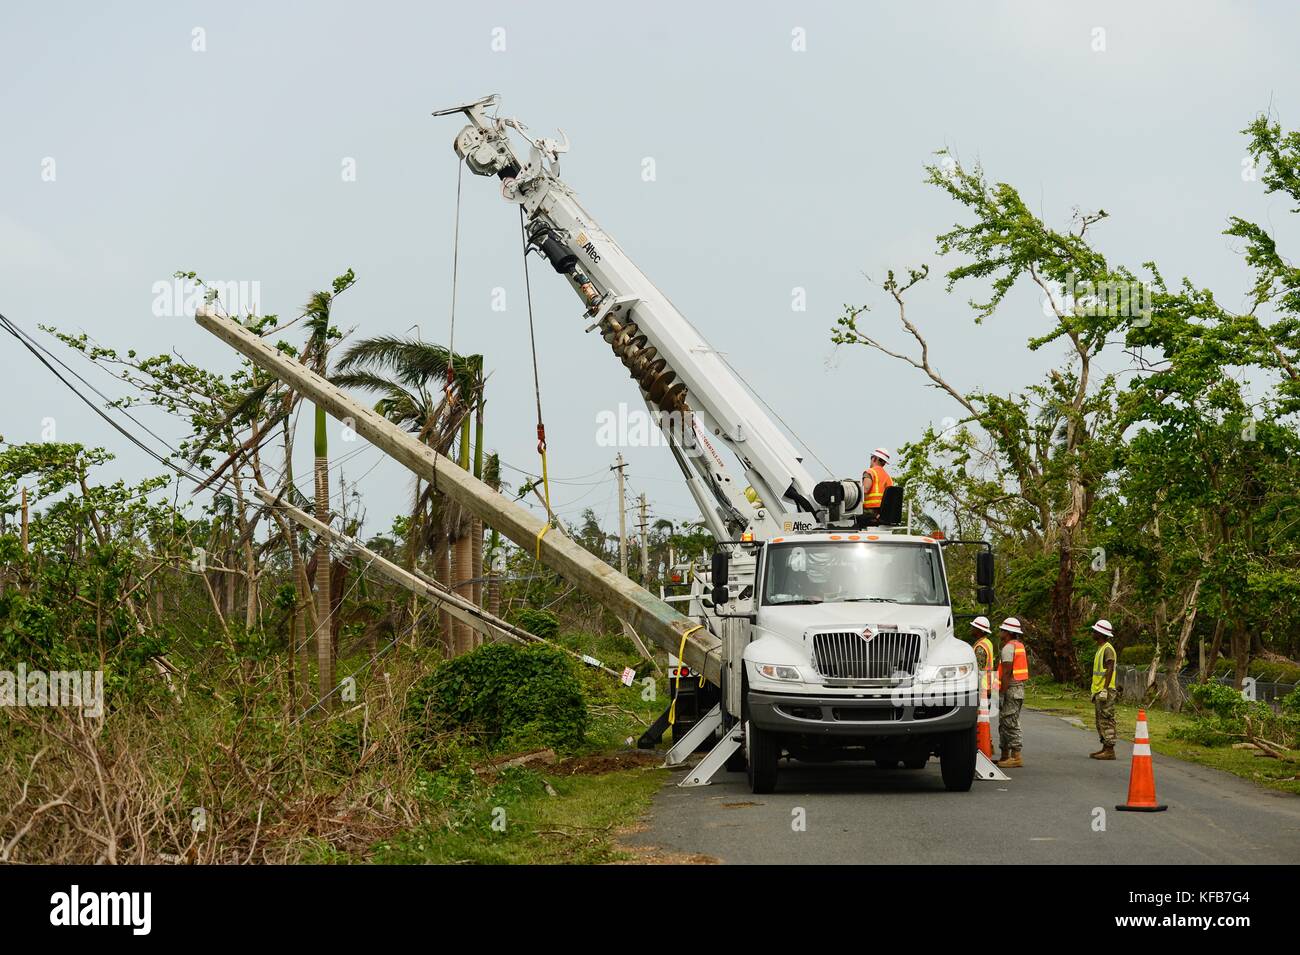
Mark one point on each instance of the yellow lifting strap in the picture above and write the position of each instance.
(681, 659)
(546, 488)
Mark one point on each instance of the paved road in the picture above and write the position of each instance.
(856, 813)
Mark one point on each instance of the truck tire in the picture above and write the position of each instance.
(763, 749)
(957, 760)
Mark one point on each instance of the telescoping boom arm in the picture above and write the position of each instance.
(700, 404)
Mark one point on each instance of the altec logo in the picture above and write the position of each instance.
(103, 908)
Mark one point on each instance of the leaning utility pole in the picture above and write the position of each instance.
(622, 517)
(666, 627)
(645, 544)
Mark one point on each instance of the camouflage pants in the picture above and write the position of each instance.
(1104, 703)
(1009, 719)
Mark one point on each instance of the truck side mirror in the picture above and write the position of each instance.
(721, 571)
(984, 595)
(984, 569)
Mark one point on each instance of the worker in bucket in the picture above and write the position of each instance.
(875, 482)
(981, 640)
(1014, 673)
(1104, 692)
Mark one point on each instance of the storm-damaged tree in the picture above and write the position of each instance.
(1028, 465)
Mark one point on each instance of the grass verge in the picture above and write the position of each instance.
(533, 817)
(1067, 700)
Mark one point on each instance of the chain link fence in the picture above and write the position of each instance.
(1173, 689)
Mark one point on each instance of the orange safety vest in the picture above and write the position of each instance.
(988, 675)
(1019, 664)
(880, 482)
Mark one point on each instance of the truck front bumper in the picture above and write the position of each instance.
(857, 716)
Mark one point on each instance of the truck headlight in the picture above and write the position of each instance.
(774, 671)
(956, 671)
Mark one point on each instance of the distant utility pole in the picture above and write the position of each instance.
(622, 516)
(25, 520)
(645, 543)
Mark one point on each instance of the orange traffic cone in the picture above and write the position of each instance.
(983, 736)
(1141, 780)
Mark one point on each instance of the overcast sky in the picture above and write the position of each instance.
(127, 154)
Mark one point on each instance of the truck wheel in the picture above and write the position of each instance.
(762, 750)
(957, 760)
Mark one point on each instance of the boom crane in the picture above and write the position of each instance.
(835, 642)
(700, 404)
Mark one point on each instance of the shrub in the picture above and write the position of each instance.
(1218, 699)
(1288, 673)
(1267, 671)
(1291, 703)
(1206, 731)
(539, 623)
(1137, 655)
(513, 697)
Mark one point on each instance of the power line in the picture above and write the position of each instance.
(36, 350)
(39, 351)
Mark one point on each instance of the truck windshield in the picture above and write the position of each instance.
(833, 572)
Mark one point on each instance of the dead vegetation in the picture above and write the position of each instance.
(160, 782)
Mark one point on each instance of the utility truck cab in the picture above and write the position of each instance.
(845, 650)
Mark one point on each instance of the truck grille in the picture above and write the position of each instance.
(847, 655)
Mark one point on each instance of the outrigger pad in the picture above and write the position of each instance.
(986, 770)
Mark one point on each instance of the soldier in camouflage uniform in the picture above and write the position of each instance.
(1104, 691)
(1015, 671)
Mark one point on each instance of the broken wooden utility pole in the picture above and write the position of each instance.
(648, 614)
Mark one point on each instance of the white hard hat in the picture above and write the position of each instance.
(1103, 627)
(1012, 625)
(981, 623)
(882, 454)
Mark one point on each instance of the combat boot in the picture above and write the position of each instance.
(1107, 752)
(1098, 753)
(1011, 762)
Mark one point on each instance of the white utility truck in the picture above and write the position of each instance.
(837, 631)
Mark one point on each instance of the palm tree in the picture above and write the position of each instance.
(315, 355)
(433, 393)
